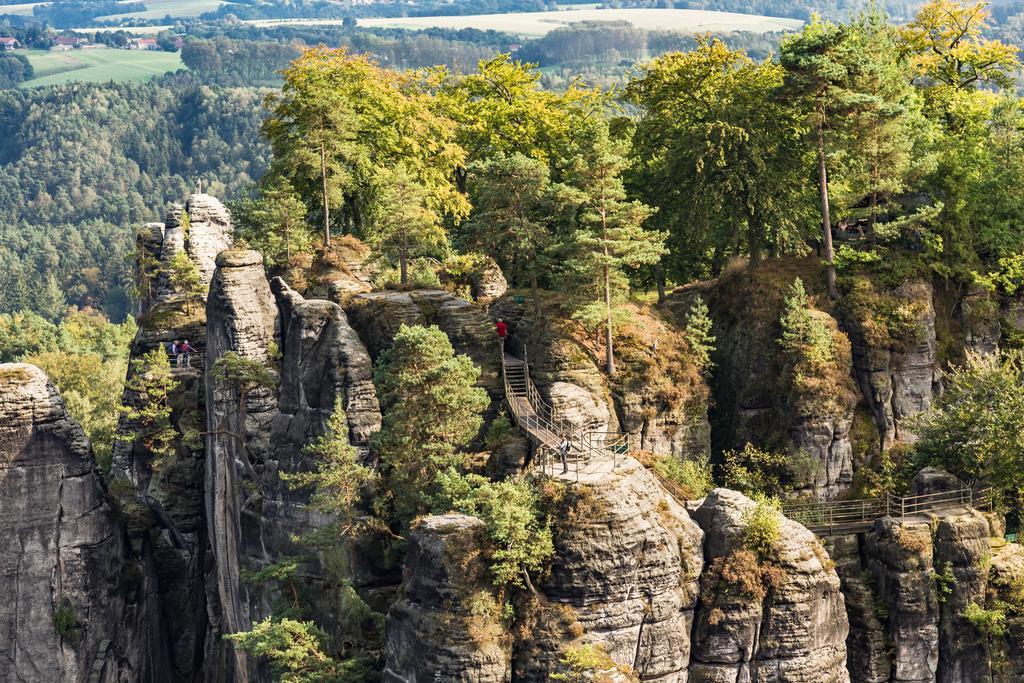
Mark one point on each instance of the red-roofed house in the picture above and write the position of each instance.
(8, 43)
(143, 44)
(68, 40)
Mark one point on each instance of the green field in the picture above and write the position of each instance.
(158, 9)
(99, 65)
(533, 24)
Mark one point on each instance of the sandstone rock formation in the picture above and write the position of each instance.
(792, 628)
(898, 379)
(68, 605)
(627, 564)
(433, 631)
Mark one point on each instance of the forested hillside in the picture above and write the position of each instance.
(81, 164)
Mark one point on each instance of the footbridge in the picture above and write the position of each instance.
(591, 454)
(839, 517)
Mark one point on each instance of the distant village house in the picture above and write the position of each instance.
(8, 43)
(143, 44)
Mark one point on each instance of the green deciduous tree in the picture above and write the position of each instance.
(947, 46)
(975, 428)
(295, 650)
(612, 235)
(719, 155)
(431, 406)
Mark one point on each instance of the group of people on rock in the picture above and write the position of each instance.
(181, 352)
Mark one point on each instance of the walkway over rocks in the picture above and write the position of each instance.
(591, 456)
(839, 517)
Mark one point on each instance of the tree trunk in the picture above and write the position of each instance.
(323, 187)
(826, 220)
(404, 265)
(608, 351)
(659, 279)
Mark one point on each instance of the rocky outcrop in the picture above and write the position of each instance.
(378, 315)
(627, 562)
(257, 433)
(897, 373)
(441, 629)
(781, 619)
(209, 232)
(576, 405)
(756, 398)
(658, 397)
(71, 608)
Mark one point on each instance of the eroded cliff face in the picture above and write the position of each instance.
(635, 575)
(72, 604)
(755, 399)
(658, 397)
(436, 630)
(908, 585)
(627, 563)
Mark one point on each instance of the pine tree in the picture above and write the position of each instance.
(514, 205)
(187, 281)
(404, 226)
(148, 414)
(50, 301)
(612, 235)
(816, 62)
(431, 406)
(273, 223)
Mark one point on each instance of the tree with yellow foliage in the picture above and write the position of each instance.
(946, 46)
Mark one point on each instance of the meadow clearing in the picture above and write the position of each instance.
(102, 64)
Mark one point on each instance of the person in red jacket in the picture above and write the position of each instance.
(502, 330)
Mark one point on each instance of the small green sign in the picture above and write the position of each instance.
(519, 299)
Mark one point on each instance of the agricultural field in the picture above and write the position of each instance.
(158, 9)
(103, 64)
(21, 9)
(534, 24)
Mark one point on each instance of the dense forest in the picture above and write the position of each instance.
(81, 164)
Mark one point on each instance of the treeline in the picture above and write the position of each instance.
(75, 13)
(252, 62)
(801, 9)
(325, 9)
(82, 165)
(611, 42)
(14, 68)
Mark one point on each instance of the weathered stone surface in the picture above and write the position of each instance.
(797, 632)
(61, 549)
(1005, 580)
(898, 383)
(378, 315)
(627, 563)
(961, 544)
(754, 399)
(209, 232)
(485, 280)
(979, 319)
(253, 516)
(432, 634)
(578, 406)
(933, 480)
(901, 559)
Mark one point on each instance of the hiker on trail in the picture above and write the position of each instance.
(174, 348)
(502, 330)
(563, 454)
(186, 353)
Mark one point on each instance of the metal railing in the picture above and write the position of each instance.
(851, 516)
(538, 416)
(196, 361)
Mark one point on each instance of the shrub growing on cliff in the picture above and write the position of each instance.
(698, 335)
(187, 281)
(296, 652)
(148, 413)
(690, 479)
(431, 407)
(762, 526)
(975, 428)
(337, 480)
(754, 471)
(518, 535)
